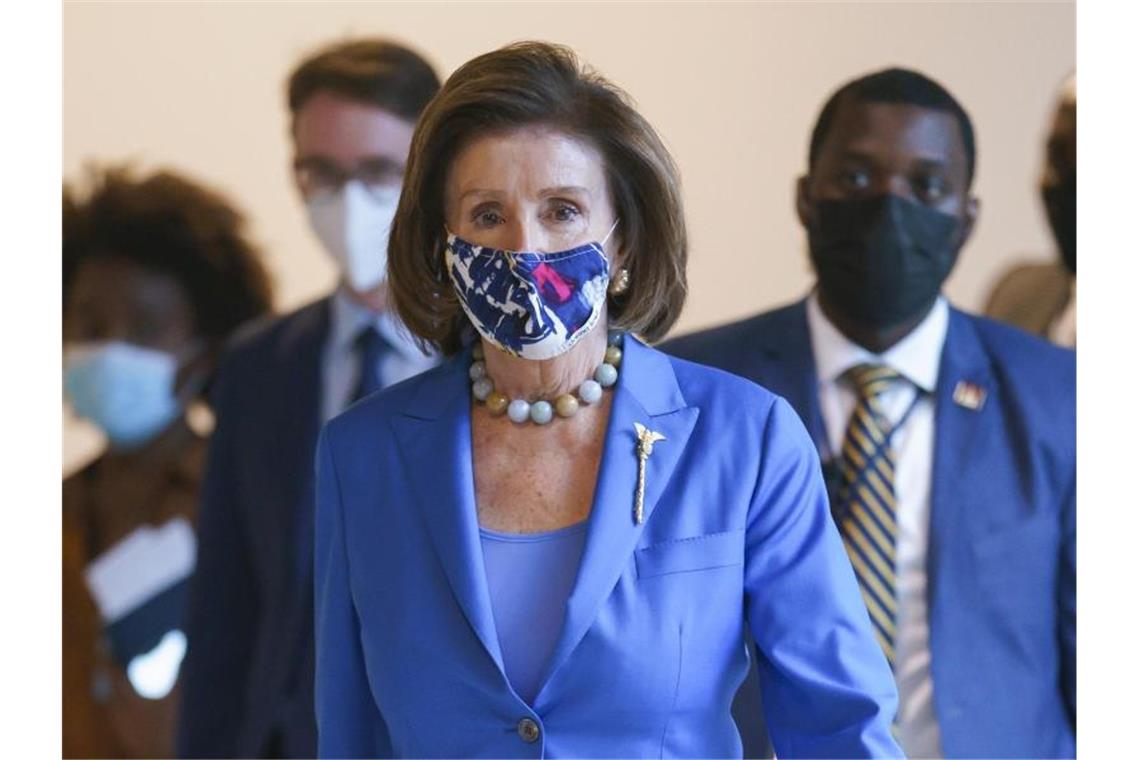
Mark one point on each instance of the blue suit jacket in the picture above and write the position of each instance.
(1002, 555)
(652, 650)
(247, 680)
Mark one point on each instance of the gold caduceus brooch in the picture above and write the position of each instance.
(645, 440)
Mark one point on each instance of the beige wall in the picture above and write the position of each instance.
(732, 87)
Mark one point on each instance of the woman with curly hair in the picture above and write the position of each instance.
(157, 274)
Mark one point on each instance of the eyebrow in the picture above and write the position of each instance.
(923, 162)
(324, 160)
(851, 154)
(546, 192)
(932, 163)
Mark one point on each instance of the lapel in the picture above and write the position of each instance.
(788, 367)
(434, 439)
(298, 389)
(647, 393)
(436, 428)
(964, 442)
(294, 397)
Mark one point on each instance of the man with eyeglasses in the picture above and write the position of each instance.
(248, 672)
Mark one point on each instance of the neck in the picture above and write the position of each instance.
(375, 299)
(874, 339)
(547, 378)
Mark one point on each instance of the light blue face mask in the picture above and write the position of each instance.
(124, 389)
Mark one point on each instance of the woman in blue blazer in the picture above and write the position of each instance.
(562, 543)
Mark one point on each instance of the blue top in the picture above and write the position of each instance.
(530, 576)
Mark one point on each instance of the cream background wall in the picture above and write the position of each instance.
(733, 88)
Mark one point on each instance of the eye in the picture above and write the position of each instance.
(317, 177)
(380, 173)
(146, 334)
(84, 330)
(855, 179)
(485, 218)
(930, 188)
(565, 212)
(89, 324)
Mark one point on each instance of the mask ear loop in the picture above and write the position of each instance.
(611, 232)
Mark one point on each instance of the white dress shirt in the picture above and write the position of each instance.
(916, 357)
(340, 370)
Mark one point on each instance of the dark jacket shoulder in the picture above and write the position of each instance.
(270, 340)
(729, 345)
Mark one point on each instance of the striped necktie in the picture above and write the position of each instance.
(867, 500)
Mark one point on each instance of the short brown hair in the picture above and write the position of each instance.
(539, 84)
(373, 71)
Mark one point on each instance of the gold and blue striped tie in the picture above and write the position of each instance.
(867, 500)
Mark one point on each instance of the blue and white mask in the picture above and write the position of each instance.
(532, 305)
(124, 389)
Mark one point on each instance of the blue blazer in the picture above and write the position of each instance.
(736, 529)
(247, 680)
(1002, 555)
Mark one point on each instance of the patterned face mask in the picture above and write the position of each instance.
(531, 305)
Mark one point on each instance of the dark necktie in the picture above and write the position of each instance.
(371, 348)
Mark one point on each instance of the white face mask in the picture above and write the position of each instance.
(353, 225)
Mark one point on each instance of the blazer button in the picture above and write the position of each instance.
(528, 730)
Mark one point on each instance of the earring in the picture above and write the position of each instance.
(620, 282)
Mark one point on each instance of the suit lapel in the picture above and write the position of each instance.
(789, 367)
(964, 434)
(646, 393)
(437, 429)
(300, 388)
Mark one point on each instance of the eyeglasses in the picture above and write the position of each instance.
(319, 177)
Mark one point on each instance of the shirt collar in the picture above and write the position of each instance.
(916, 357)
(350, 317)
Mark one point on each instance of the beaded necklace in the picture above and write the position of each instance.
(542, 411)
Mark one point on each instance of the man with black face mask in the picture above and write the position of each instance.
(1042, 298)
(948, 440)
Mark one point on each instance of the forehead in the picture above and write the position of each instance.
(526, 159)
(336, 127)
(114, 282)
(894, 133)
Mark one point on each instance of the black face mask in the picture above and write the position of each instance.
(1061, 208)
(881, 261)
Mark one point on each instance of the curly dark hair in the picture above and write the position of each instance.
(167, 223)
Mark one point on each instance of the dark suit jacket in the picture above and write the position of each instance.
(248, 672)
(1002, 554)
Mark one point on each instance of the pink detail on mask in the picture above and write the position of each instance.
(550, 281)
